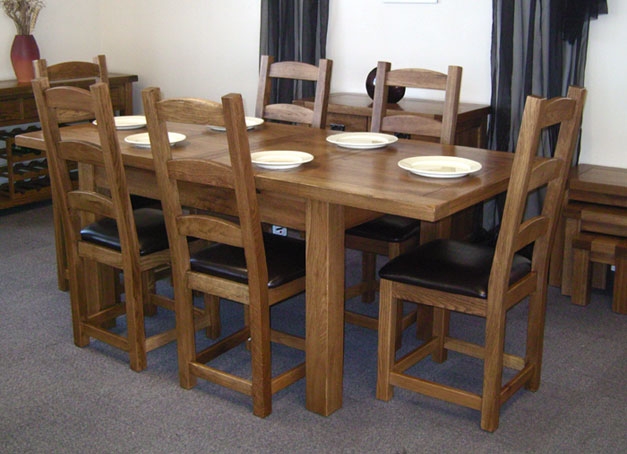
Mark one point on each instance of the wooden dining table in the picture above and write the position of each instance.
(339, 188)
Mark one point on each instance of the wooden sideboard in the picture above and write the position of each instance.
(24, 172)
(353, 112)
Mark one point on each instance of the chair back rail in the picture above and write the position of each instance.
(270, 70)
(441, 128)
(66, 71)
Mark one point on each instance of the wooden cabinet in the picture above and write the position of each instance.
(24, 172)
(353, 111)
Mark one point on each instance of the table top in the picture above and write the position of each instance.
(364, 179)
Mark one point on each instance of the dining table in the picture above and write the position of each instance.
(340, 187)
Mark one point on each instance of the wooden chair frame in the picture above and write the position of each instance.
(79, 207)
(247, 234)
(321, 74)
(67, 71)
(528, 174)
(442, 129)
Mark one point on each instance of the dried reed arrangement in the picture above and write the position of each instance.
(24, 14)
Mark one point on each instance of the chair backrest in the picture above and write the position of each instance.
(528, 175)
(70, 70)
(96, 70)
(442, 128)
(82, 206)
(320, 74)
(237, 178)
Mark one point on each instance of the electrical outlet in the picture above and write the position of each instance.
(278, 230)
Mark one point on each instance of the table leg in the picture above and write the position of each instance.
(325, 306)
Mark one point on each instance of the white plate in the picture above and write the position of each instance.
(128, 122)
(362, 140)
(280, 159)
(142, 140)
(439, 166)
(251, 122)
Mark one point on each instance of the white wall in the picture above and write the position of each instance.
(207, 49)
(604, 137)
(451, 32)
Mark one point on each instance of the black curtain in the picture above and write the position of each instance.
(538, 47)
(294, 30)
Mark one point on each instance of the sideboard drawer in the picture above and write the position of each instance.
(344, 122)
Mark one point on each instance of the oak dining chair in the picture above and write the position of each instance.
(103, 228)
(271, 72)
(241, 263)
(485, 281)
(96, 70)
(391, 235)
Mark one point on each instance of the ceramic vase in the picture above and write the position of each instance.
(395, 94)
(23, 51)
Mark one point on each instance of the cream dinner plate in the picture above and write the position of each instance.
(251, 123)
(142, 140)
(439, 166)
(128, 122)
(362, 140)
(280, 159)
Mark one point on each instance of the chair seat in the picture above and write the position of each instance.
(450, 266)
(285, 258)
(151, 232)
(388, 228)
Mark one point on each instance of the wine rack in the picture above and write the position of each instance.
(24, 176)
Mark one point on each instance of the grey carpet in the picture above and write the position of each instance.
(55, 397)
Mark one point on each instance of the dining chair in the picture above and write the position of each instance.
(103, 228)
(241, 264)
(271, 72)
(485, 281)
(96, 70)
(601, 239)
(391, 235)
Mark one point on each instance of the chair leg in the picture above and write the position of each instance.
(441, 319)
(368, 275)
(581, 277)
(150, 309)
(387, 343)
(212, 307)
(136, 288)
(493, 368)
(619, 302)
(185, 341)
(78, 302)
(535, 336)
(261, 358)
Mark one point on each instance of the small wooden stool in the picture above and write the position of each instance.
(596, 248)
(594, 219)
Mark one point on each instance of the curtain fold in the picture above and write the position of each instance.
(538, 47)
(294, 30)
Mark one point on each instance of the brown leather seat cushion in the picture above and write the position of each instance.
(451, 266)
(389, 228)
(151, 232)
(285, 258)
